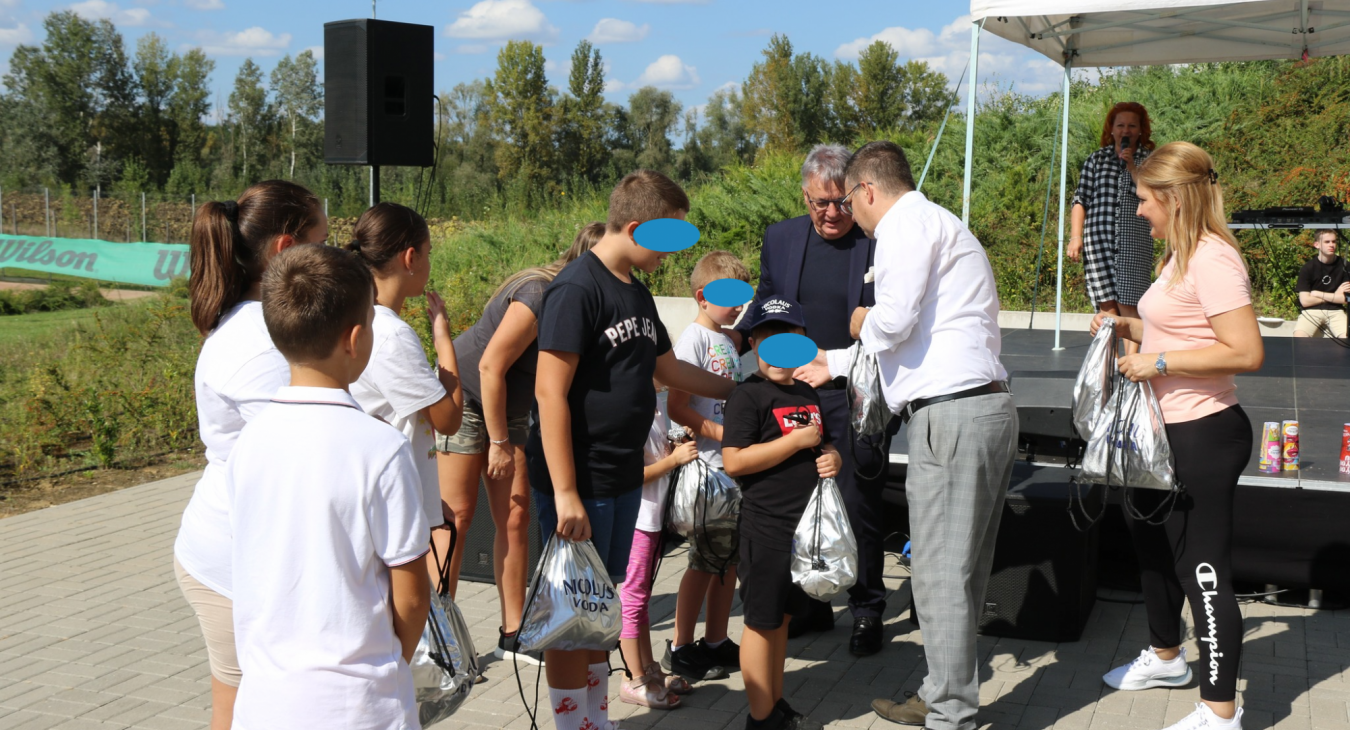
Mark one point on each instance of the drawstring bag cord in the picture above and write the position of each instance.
(442, 590)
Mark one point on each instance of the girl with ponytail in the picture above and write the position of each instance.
(238, 371)
(397, 384)
(1196, 330)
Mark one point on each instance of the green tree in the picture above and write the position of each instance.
(189, 104)
(523, 115)
(299, 97)
(782, 105)
(879, 91)
(582, 116)
(652, 115)
(927, 95)
(250, 117)
(843, 120)
(154, 67)
(79, 92)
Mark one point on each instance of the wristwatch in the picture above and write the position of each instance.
(1161, 364)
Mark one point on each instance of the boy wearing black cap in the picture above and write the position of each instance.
(771, 441)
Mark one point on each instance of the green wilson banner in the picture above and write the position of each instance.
(149, 264)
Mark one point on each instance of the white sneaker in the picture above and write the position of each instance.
(1203, 717)
(1149, 671)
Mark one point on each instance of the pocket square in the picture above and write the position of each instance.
(870, 276)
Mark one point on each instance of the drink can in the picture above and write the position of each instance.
(1345, 449)
(1271, 447)
(1289, 430)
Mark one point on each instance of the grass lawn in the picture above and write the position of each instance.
(18, 328)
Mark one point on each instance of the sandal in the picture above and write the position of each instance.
(672, 682)
(646, 691)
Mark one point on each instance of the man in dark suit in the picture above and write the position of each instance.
(822, 261)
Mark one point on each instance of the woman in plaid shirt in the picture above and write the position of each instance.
(1115, 244)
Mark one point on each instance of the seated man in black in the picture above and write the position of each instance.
(1322, 287)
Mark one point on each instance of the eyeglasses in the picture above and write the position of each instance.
(844, 204)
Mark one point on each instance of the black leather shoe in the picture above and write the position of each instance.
(866, 639)
(819, 618)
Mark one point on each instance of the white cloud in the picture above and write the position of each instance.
(102, 9)
(205, 4)
(668, 72)
(16, 35)
(503, 20)
(1002, 63)
(438, 56)
(471, 49)
(255, 41)
(613, 30)
(317, 51)
(909, 43)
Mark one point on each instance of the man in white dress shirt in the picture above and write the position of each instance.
(935, 332)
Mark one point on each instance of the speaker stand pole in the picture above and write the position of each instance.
(374, 185)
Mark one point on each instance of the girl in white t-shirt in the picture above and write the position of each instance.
(398, 385)
(647, 685)
(238, 371)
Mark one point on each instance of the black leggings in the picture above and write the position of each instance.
(1189, 556)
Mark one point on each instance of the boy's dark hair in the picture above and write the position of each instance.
(774, 327)
(385, 231)
(229, 240)
(642, 196)
(311, 295)
(884, 165)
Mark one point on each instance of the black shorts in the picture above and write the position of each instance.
(767, 590)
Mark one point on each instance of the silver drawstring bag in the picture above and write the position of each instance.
(1128, 446)
(1093, 385)
(571, 603)
(702, 497)
(867, 410)
(824, 551)
(445, 663)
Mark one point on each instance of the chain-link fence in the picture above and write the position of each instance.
(110, 215)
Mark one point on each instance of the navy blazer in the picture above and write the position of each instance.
(780, 265)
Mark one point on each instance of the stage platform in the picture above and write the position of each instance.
(1303, 379)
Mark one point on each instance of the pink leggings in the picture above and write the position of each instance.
(636, 592)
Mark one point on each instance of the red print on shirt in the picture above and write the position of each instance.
(567, 706)
(788, 425)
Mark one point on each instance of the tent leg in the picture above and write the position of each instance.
(970, 121)
(1063, 188)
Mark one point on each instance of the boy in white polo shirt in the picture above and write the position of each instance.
(330, 592)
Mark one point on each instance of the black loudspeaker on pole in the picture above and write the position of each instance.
(379, 95)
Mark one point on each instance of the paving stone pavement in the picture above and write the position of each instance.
(95, 634)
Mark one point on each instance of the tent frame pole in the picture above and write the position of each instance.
(970, 121)
(1063, 189)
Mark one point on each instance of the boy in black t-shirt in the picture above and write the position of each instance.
(770, 433)
(600, 342)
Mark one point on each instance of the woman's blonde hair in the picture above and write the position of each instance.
(586, 239)
(1181, 176)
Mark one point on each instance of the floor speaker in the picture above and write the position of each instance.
(478, 553)
(379, 93)
(1044, 580)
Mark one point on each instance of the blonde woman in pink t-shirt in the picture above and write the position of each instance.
(1196, 330)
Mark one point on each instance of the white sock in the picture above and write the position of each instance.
(715, 644)
(1234, 721)
(597, 694)
(569, 707)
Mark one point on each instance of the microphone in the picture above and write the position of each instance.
(1125, 142)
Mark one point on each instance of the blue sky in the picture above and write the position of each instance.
(691, 47)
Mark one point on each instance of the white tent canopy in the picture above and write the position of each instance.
(1152, 32)
(1089, 33)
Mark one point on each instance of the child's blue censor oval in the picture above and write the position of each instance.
(787, 350)
(666, 234)
(728, 292)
